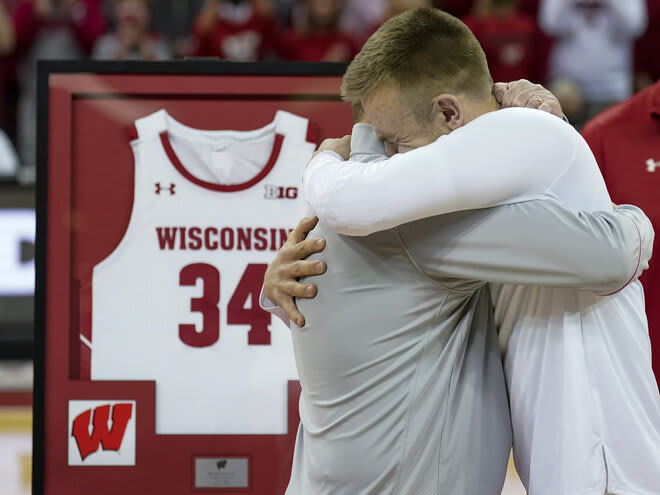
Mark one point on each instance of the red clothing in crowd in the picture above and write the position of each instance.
(626, 141)
(86, 22)
(514, 46)
(238, 40)
(328, 46)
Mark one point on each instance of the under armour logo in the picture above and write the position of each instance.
(651, 165)
(170, 189)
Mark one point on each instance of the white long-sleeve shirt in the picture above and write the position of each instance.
(594, 44)
(584, 402)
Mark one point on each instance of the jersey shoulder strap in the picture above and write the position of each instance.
(295, 127)
(149, 126)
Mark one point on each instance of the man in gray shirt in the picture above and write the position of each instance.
(403, 389)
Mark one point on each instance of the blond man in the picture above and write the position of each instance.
(401, 386)
(585, 406)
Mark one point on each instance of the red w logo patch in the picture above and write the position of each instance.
(109, 438)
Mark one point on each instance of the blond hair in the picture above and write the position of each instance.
(424, 50)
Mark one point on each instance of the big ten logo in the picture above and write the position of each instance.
(17, 228)
(280, 192)
(102, 433)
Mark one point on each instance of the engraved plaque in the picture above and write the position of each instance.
(222, 472)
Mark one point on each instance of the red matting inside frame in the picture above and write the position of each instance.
(90, 194)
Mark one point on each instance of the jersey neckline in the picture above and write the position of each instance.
(173, 125)
(171, 154)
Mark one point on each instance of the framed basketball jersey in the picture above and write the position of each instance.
(164, 190)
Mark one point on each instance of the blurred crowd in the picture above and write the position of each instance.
(590, 53)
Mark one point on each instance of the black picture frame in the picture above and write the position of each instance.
(45, 69)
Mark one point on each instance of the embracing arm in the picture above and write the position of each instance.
(496, 159)
(517, 243)
(535, 243)
(281, 285)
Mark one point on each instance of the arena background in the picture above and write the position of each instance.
(520, 39)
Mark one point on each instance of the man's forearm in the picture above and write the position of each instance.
(456, 172)
(536, 243)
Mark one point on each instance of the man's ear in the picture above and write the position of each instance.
(447, 112)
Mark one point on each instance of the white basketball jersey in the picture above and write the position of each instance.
(177, 300)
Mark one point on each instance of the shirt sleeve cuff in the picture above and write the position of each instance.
(325, 152)
(268, 305)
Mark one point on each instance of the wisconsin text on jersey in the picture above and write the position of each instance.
(225, 238)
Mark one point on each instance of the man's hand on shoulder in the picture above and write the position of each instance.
(523, 93)
(281, 284)
(341, 146)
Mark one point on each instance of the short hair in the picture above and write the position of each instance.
(424, 50)
(358, 112)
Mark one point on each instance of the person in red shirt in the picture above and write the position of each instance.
(512, 40)
(625, 139)
(319, 38)
(236, 30)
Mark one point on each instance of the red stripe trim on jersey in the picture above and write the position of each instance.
(277, 146)
(132, 132)
(639, 260)
(293, 403)
(312, 132)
